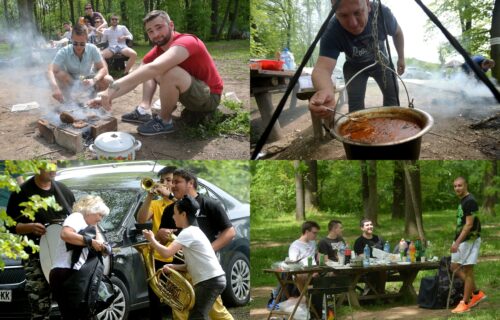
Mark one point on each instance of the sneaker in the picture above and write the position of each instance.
(136, 117)
(461, 308)
(154, 127)
(476, 298)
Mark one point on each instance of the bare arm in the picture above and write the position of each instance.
(469, 222)
(224, 238)
(69, 235)
(144, 213)
(399, 43)
(168, 60)
(325, 88)
(32, 227)
(56, 91)
(165, 252)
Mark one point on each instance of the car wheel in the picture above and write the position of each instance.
(237, 292)
(120, 306)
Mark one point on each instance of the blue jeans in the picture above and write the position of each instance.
(357, 88)
(205, 294)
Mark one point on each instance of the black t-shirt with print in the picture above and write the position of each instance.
(468, 207)
(361, 242)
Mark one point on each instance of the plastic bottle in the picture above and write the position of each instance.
(402, 248)
(287, 57)
(387, 247)
(366, 258)
(347, 259)
(418, 247)
(341, 253)
(412, 251)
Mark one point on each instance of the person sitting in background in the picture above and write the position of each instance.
(331, 244)
(76, 61)
(64, 38)
(303, 249)
(93, 15)
(98, 31)
(374, 280)
(116, 36)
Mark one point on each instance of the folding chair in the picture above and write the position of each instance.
(328, 288)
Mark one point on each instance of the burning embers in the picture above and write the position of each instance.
(73, 126)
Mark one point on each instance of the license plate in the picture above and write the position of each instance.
(5, 295)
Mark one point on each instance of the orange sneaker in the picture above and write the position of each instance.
(476, 298)
(462, 307)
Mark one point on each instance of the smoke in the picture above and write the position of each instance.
(456, 95)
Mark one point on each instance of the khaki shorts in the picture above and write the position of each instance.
(198, 97)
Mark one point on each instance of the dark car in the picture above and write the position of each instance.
(119, 185)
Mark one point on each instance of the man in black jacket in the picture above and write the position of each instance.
(41, 184)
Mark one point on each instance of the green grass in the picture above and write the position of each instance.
(270, 243)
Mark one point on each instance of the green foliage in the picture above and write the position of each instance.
(12, 245)
(339, 185)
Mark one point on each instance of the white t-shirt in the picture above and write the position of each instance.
(299, 251)
(200, 258)
(112, 34)
(63, 257)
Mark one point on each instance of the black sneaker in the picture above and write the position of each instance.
(136, 117)
(154, 127)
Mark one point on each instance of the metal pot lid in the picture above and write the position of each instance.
(114, 141)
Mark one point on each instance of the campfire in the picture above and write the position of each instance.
(73, 125)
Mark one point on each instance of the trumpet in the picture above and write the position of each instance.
(148, 184)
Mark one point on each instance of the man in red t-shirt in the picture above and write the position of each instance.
(181, 65)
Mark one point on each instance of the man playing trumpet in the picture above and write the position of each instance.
(153, 210)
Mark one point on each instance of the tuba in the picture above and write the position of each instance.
(172, 288)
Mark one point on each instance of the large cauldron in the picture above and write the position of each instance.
(405, 149)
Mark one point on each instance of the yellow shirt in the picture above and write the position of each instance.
(157, 207)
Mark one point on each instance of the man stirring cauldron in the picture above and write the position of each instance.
(77, 62)
(352, 31)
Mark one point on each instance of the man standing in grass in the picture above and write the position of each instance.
(465, 248)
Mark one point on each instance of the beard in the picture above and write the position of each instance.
(163, 41)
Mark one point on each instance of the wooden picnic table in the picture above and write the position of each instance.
(406, 274)
(263, 83)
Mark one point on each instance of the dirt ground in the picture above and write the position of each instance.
(21, 140)
(451, 136)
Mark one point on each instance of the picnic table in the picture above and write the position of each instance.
(263, 83)
(400, 272)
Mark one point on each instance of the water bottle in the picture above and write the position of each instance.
(287, 57)
(366, 258)
(412, 251)
(402, 248)
(342, 253)
(387, 247)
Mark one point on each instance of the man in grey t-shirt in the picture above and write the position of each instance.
(350, 31)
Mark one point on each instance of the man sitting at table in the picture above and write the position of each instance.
(331, 244)
(375, 280)
(304, 247)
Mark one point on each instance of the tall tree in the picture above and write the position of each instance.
(369, 190)
(495, 39)
(300, 214)
(214, 19)
(491, 187)
(413, 199)
(398, 191)
(232, 20)
(311, 185)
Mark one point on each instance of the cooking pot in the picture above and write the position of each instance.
(404, 149)
(115, 145)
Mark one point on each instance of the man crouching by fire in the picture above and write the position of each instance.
(78, 63)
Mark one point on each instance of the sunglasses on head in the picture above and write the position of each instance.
(81, 44)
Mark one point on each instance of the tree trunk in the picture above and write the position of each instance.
(234, 17)
(495, 38)
(72, 12)
(490, 189)
(413, 199)
(300, 214)
(311, 185)
(398, 191)
(223, 23)
(146, 11)
(369, 190)
(214, 19)
(26, 17)
(123, 9)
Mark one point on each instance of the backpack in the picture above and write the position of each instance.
(434, 290)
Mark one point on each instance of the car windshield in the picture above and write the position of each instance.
(119, 202)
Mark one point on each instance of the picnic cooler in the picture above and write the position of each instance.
(434, 290)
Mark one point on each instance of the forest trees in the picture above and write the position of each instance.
(226, 19)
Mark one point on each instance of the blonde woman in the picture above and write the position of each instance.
(209, 279)
(75, 248)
